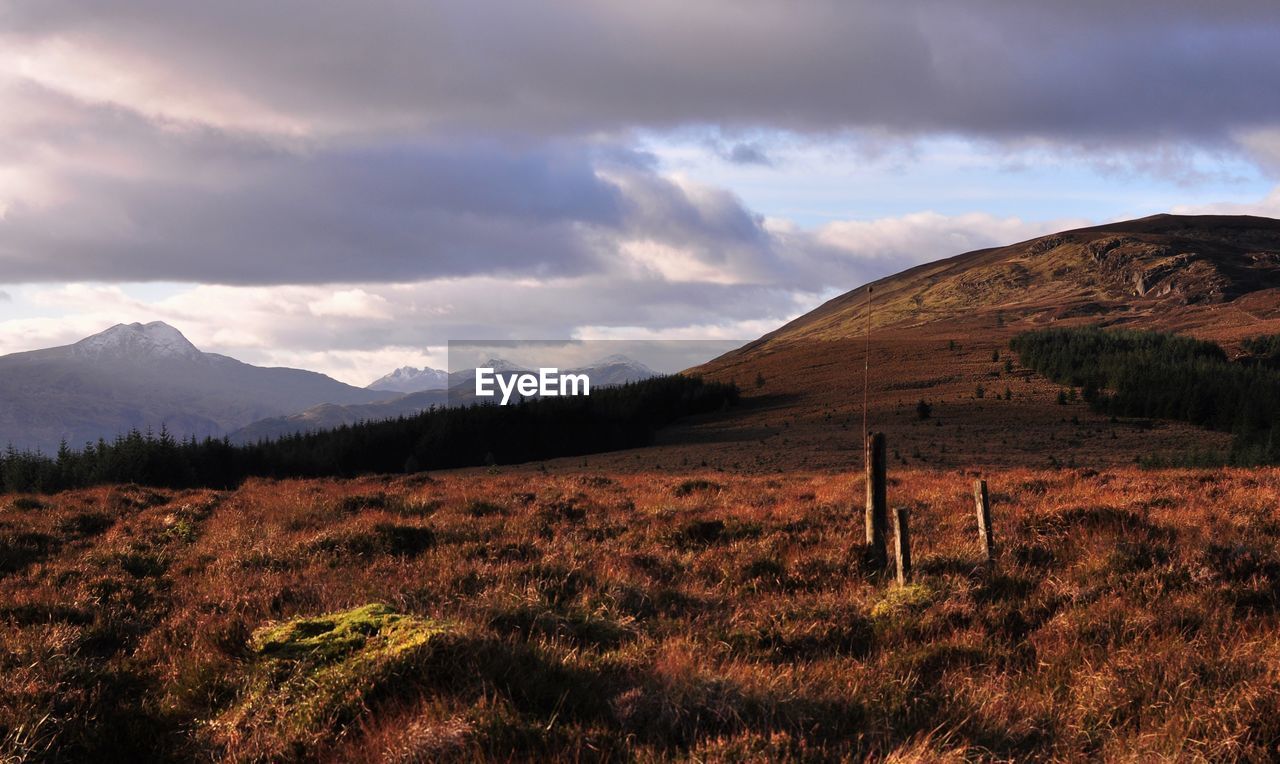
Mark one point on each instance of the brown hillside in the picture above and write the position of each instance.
(936, 329)
(1164, 270)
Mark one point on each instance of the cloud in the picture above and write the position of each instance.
(350, 303)
(891, 244)
(1263, 144)
(411, 172)
(139, 200)
(744, 153)
(5, 296)
(406, 142)
(1268, 206)
(359, 331)
(993, 68)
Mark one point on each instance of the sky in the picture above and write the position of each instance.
(346, 186)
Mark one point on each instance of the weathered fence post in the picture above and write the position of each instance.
(902, 540)
(877, 518)
(983, 506)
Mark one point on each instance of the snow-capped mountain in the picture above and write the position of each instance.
(616, 370)
(130, 341)
(147, 376)
(500, 366)
(410, 379)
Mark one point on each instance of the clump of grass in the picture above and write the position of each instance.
(482, 508)
(697, 485)
(562, 509)
(701, 532)
(391, 539)
(407, 507)
(362, 502)
(83, 524)
(18, 549)
(590, 629)
(766, 570)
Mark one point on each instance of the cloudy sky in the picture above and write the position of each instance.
(344, 186)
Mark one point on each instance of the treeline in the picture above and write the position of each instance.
(611, 418)
(1166, 376)
(1263, 350)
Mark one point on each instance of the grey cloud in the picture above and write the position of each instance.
(742, 152)
(1087, 71)
(403, 213)
(220, 207)
(5, 296)
(443, 140)
(748, 153)
(549, 311)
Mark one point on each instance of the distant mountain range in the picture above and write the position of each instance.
(328, 416)
(147, 376)
(409, 379)
(606, 372)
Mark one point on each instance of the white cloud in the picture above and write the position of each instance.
(358, 332)
(99, 73)
(351, 303)
(1263, 144)
(1268, 206)
(360, 367)
(908, 240)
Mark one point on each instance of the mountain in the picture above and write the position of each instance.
(939, 332)
(147, 376)
(617, 370)
(136, 342)
(410, 379)
(464, 378)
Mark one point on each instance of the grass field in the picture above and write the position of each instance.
(709, 616)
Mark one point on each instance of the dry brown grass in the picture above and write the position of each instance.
(711, 616)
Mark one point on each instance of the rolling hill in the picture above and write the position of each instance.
(939, 332)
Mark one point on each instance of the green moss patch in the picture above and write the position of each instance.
(900, 601)
(309, 676)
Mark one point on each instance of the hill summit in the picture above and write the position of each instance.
(133, 341)
(1155, 270)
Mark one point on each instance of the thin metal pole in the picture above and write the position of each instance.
(866, 368)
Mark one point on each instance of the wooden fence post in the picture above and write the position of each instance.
(877, 518)
(982, 504)
(902, 539)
